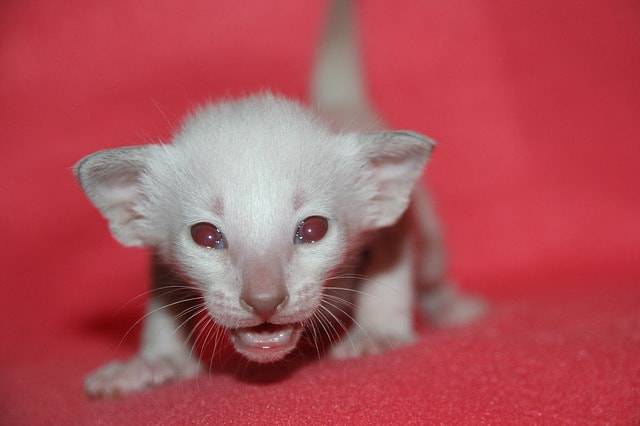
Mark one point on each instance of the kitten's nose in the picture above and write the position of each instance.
(265, 301)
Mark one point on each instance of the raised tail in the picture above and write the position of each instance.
(337, 84)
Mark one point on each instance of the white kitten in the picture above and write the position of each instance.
(268, 221)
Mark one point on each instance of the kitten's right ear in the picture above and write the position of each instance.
(112, 179)
(393, 161)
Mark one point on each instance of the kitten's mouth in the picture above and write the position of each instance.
(266, 342)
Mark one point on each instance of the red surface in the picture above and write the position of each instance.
(536, 107)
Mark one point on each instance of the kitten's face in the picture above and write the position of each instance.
(257, 251)
(231, 214)
(227, 201)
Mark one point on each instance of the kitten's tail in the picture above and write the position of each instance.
(337, 84)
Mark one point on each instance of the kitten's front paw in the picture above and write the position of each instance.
(118, 378)
(359, 343)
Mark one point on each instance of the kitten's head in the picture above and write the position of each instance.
(256, 203)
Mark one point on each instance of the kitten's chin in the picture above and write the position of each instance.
(266, 342)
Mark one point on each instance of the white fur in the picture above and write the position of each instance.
(255, 168)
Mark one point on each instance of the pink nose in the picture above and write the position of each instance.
(264, 302)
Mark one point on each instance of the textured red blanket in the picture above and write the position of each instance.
(535, 105)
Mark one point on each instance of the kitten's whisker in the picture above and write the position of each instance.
(351, 318)
(152, 312)
(321, 322)
(209, 323)
(186, 310)
(353, 290)
(175, 288)
(360, 278)
(344, 328)
(313, 330)
(198, 310)
(206, 317)
(218, 335)
(315, 324)
(330, 324)
(206, 328)
(209, 326)
(349, 276)
(212, 326)
(339, 300)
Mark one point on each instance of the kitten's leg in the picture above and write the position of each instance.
(446, 306)
(440, 299)
(164, 356)
(383, 310)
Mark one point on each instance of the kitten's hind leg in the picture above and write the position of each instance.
(446, 306)
(440, 299)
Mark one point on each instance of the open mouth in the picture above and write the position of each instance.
(266, 342)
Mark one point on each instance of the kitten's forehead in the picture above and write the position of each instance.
(261, 146)
(257, 163)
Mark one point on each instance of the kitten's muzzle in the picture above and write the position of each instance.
(264, 297)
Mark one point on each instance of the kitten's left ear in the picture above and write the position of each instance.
(394, 163)
(112, 180)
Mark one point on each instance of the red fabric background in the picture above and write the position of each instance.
(536, 107)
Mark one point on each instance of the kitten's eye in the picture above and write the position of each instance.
(311, 229)
(207, 235)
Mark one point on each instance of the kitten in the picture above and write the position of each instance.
(269, 220)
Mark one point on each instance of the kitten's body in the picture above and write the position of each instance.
(257, 168)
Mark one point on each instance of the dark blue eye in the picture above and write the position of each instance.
(207, 235)
(311, 229)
